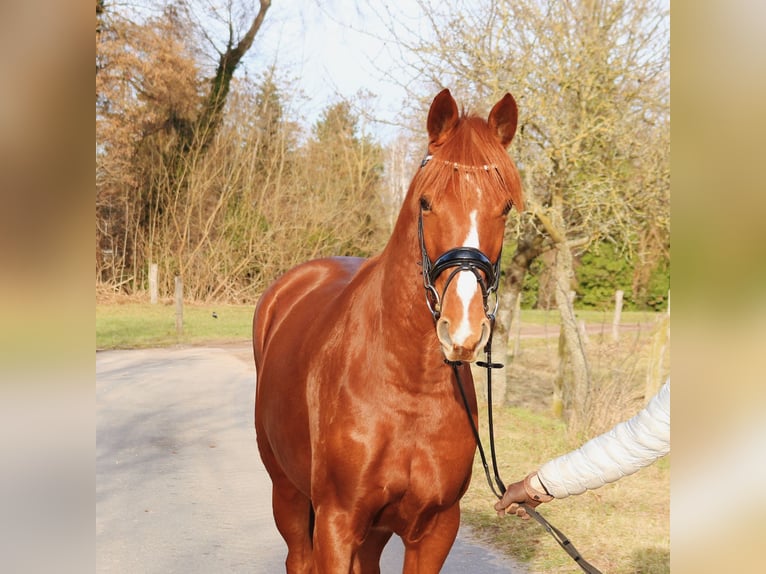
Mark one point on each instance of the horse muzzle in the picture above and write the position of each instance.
(467, 348)
(465, 329)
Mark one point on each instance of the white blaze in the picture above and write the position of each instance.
(467, 285)
(472, 239)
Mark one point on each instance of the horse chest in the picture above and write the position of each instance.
(417, 448)
(434, 469)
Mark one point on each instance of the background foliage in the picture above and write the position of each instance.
(602, 271)
(231, 195)
(223, 187)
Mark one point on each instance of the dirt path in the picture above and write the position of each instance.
(179, 484)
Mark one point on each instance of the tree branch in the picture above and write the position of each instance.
(536, 209)
(210, 118)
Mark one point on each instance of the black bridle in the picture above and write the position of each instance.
(458, 259)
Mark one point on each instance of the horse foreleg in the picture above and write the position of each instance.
(292, 515)
(371, 549)
(428, 553)
(337, 539)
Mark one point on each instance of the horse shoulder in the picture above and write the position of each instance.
(311, 284)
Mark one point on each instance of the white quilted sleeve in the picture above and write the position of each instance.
(628, 447)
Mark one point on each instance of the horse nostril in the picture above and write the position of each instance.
(455, 348)
(442, 332)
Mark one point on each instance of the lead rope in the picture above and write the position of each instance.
(558, 536)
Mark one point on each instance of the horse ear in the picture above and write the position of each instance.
(442, 118)
(503, 118)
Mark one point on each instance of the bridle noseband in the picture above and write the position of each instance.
(458, 259)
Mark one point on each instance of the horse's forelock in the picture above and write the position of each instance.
(472, 146)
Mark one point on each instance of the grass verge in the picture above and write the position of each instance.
(552, 317)
(122, 325)
(621, 528)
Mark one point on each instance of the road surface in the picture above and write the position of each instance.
(179, 483)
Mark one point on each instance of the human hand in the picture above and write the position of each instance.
(521, 492)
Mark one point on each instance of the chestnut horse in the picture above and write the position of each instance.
(358, 418)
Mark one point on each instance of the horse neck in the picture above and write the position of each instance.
(401, 291)
(394, 288)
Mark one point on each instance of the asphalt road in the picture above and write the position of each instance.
(179, 483)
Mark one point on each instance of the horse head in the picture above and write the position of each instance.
(463, 191)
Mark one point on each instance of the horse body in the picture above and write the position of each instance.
(345, 400)
(358, 420)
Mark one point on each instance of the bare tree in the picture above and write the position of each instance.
(229, 59)
(592, 81)
(228, 196)
(156, 116)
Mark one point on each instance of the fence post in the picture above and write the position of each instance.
(179, 306)
(617, 312)
(583, 329)
(153, 270)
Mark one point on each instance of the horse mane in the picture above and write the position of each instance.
(472, 149)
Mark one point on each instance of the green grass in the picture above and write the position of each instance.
(135, 325)
(621, 528)
(552, 317)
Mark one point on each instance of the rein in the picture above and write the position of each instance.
(498, 488)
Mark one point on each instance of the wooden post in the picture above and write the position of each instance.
(668, 312)
(179, 306)
(617, 312)
(557, 401)
(583, 329)
(153, 283)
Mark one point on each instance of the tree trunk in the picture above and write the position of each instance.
(574, 378)
(210, 118)
(529, 247)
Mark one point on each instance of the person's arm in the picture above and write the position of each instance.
(626, 448)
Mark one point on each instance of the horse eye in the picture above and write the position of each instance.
(507, 208)
(425, 205)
